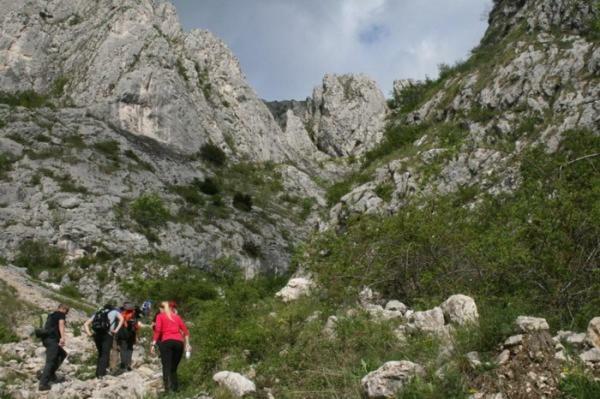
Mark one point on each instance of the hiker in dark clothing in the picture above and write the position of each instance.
(54, 343)
(105, 324)
(127, 335)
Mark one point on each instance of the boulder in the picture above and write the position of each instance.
(396, 306)
(593, 332)
(295, 289)
(368, 297)
(591, 356)
(235, 383)
(528, 324)
(389, 379)
(460, 309)
(430, 321)
(330, 325)
(513, 340)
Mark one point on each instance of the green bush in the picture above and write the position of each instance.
(58, 86)
(27, 99)
(252, 249)
(213, 154)
(6, 162)
(149, 211)
(189, 193)
(70, 290)
(243, 202)
(207, 186)
(396, 137)
(110, 149)
(37, 255)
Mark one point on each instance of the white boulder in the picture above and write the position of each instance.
(235, 383)
(593, 332)
(295, 289)
(460, 309)
(431, 321)
(389, 379)
(528, 324)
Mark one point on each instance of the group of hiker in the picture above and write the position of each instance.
(112, 327)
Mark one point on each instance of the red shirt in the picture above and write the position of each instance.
(169, 329)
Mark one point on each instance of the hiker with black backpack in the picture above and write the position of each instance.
(128, 334)
(53, 338)
(105, 324)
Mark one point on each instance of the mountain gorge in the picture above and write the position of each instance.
(137, 162)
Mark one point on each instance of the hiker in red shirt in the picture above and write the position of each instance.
(171, 333)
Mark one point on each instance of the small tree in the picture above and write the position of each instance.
(149, 211)
(213, 154)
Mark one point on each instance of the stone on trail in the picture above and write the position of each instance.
(235, 383)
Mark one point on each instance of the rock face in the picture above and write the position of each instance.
(235, 383)
(348, 114)
(389, 379)
(133, 65)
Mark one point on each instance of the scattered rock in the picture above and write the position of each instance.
(431, 321)
(591, 356)
(295, 289)
(330, 325)
(529, 324)
(513, 340)
(396, 306)
(593, 332)
(235, 383)
(473, 359)
(460, 309)
(503, 357)
(389, 379)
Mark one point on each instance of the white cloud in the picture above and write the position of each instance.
(286, 46)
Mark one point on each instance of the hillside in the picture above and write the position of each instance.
(441, 244)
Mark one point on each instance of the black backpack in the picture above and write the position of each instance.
(100, 322)
(43, 331)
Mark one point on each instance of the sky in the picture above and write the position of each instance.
(286, 46)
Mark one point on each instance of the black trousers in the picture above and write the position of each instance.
(55, 355)
(103, 343)
(171, 352)
(126, 348)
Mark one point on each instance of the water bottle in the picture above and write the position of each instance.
(188, 353)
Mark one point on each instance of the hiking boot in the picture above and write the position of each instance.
(44, 387)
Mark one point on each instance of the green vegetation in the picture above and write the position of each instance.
(9, 311)
(181, 69)
(37, 255)
(396, 137)
(213, 154)
(149, 211)
(577, 385)
(208, 186)
(535, 246)
(70, 290)
(109, 148)
(243, 202)
(68, 185)
(58, 86)
(190, 193)
(27, 99)
(6, 161)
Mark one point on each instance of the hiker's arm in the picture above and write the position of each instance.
(86, 327)
(121, 319)
(61, 328)
(186, 334)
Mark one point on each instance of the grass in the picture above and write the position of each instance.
(6, 161)
(109, 148)
(27, 99)
(8, 312)
(38, 255)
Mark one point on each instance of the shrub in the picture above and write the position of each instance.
(37, 255)
(213, 154)
(58, 86)
(27, 99)
(6, 162)
(67, 185)
(110, 149)
(252, 249)
(149, 211)
(579, 386)
(243, 202)
(189, 193)
(396, 137)
(71, 291)
(207, 186)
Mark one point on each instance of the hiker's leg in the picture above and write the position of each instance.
(129, 352)
(165, 359)
(106, 341)
(123, 352)
(51, 355)
(60, 358)
(177, 354)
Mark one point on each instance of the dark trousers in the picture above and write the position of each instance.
(126, 349)
(103, 343)
(170, 356)
(55, 355)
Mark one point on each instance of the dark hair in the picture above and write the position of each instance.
(109, 306)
